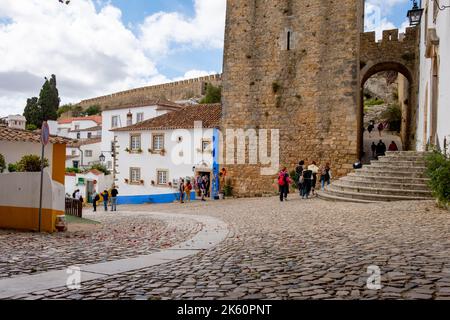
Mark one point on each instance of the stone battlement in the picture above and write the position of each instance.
(390, 36)
(173, 91)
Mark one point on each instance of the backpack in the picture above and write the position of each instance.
(281, 179)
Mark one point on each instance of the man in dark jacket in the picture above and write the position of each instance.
(114, 194)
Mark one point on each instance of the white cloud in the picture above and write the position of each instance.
(91, 52)
(375, 16)
(161, 30)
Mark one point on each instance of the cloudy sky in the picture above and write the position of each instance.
(97, 47)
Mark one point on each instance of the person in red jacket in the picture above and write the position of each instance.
(283, 183)
(393, 146)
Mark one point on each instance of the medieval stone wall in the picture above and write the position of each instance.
(309, 92)
(174, 91)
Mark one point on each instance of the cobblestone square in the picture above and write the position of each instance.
(300, 249)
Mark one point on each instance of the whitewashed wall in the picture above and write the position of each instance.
(14, 151)
(176, 165)
(442, 26)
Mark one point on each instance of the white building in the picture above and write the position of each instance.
(16, 121)
(83, 153)
(154, 154)
(77, 128)
(87, 183)
(127, 115)
(433, 125)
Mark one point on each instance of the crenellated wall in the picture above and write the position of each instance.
(174, 91)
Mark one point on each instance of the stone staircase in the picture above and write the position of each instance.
(397, 176)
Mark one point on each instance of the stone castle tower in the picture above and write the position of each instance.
(293, 65)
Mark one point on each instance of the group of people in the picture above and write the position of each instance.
(307, 179)
(381, 126)
(185, 188)
(108, 198)
(379, 150)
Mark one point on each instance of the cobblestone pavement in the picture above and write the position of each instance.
(301, 249)
(118, 236)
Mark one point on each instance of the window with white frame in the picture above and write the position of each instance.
(158, 142)
(140, 117)
(115, 122)
(74, 152)
(162, 176)
(135, 175)
(89, 135)
(77, 127)
(135, 142)
(88, 153)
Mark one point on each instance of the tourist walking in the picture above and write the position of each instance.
(105, 196)
(315, 170)
(95, 199)
(203, 185)
(181, 190)
(380, 128)
(381, 149)
(370, 129)
(188, 189)
(374, 150)
(283, 184)
(307, 181)
(299, 172)
(325, 175)
(114, 194)
(393, 147)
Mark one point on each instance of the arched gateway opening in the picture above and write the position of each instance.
(395, 56)
(385, 103)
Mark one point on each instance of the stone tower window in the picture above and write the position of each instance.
(288, 40)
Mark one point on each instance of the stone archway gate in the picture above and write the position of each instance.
(392, 53)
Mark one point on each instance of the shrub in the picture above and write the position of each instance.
(2, 163)
(30, 163)
(227, 190)
(101, 168)
(31, 127)
(438, 170)
(213, 94)
(73, 170)
(12, 167)
(373, 102)
(393, 115)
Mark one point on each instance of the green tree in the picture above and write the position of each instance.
(213, 94)
(93, 110)
(65, 108)
(32, 112)
(101, 168)
(49, 99)
(77, 111)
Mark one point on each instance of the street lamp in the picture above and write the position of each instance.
(415, 14)
(102, 158)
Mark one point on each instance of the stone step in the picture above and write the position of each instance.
(390, 173)
(338, 186)
(406, 163)
(330, 197)
(388, 183)
(369, 178)
(372, 197)
(407, 153)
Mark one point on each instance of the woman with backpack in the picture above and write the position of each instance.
(283, 184)
(325, 175)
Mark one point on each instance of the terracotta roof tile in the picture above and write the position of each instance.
(163, 104)
(209, 114)
(18, 135)
(97, 119)
(84, 142)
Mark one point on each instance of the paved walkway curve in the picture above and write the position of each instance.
(212, 233)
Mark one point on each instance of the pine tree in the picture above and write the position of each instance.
(32, 112)
(49, 99)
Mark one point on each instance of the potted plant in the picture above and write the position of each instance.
(142, 181)
(126, 181)
(140, 150)
(127, 150)
(163, 152)
(153, 182)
